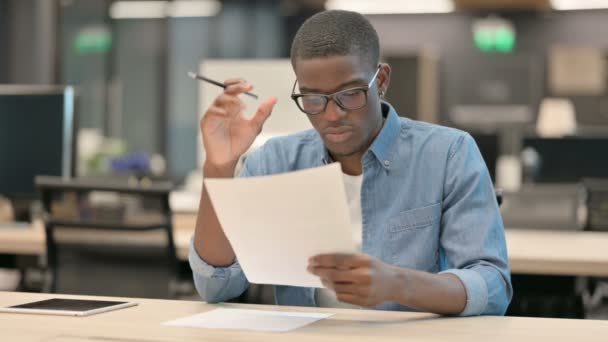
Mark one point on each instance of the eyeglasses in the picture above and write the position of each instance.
(347, 99)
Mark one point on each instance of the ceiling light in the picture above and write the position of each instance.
(571, 5)
(138, 9)
(162, 9)
(391, 6)
(194, 8)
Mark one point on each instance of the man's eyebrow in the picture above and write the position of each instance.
(338, 88)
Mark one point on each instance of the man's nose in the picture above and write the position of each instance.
(333, 112)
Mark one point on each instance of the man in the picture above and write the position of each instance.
(421, 199)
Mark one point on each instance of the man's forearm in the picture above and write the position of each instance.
(210, 241)
(438, 293)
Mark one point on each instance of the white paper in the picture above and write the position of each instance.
(245, 319)
(276, 223)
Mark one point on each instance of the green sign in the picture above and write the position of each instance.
(494, 36)
(92, 41)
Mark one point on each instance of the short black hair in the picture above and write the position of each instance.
(336, 33)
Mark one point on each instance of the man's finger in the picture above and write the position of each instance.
(355, 289)
(215, 110)
(335, 275)
(238, 88)
(263, 112)
(230, 103)
(328, 260)
(224, 100)
(340, 260)
(351, 299)
(231, 81)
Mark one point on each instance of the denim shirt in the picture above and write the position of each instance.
(427, 203)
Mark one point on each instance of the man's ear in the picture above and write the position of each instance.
(384, 78)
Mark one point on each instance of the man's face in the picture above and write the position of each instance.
(344, 132)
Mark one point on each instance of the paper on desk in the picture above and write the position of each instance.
(275, 223)
(244, 319)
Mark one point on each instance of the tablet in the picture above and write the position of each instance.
(67, 307)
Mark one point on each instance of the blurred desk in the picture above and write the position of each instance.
(143, 323)
(21, 240)
(32, 240)
(546, 252)
(541, 252)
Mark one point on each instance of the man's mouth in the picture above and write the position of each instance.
(337, 134)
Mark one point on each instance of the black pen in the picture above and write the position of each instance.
(219, 84)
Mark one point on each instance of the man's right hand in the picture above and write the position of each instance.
(226, 133)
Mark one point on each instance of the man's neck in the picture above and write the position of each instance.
(351, 165)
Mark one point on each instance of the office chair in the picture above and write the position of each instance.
(83, 256)
(499, 195)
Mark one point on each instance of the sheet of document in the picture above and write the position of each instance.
(275, 223)
(245, 319)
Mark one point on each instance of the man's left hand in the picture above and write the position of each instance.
(357, 279)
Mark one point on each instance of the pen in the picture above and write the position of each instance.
(219, 84)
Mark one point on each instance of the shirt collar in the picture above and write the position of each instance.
(381, 147)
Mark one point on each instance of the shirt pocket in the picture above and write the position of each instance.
(414, 238)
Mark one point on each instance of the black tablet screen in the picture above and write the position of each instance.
(67, 304)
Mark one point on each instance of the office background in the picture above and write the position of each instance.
(127, 61)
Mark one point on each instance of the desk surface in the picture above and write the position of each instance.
(530, 251)
(558, 252)
(32, 240)
(23, 241)
(143, 323)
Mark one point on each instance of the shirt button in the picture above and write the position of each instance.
(387, 163)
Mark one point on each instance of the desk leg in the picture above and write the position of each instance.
(32, 273)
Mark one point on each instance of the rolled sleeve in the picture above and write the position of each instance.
(472, 234)
(476, 288)
(216, 284)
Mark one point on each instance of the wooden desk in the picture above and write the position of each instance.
(558, 252)
(32, 241)
(530, 251)
(143, 323)
(23, 241)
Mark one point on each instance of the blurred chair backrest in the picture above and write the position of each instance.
(545, 206)
(499, 195)
(108, 238)
(596, 197)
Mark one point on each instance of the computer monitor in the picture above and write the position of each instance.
(569, 159)
(493, 92)
(37, 126)
(488, 144)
